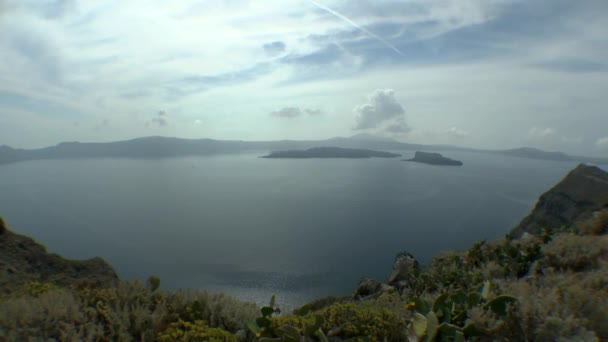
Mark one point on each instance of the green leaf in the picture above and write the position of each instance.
(459, 337)
(485, 291)
(432, 325)
(440, 302)
(288, 331)
(473, 299)
(421, 306)
(311, 329)
(321, 336)
(420, 325)
(499, 304)
(253, 327)
(303, 311)
(447, 329)
(272, 300)
(471, 330)
(267, 311)
(460, 297)
(263, 322)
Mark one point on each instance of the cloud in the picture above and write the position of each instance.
(397, 128)
(456, 132)
(602, 144)
(382, 109)
(161, 119)
(287, 113)
(274, 48)
(294, 112)
(541, 133)
(313, 112)
(198, 122)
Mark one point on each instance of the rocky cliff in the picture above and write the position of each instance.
(23, 260)
(574, 200)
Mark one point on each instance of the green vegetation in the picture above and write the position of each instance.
(537, 288)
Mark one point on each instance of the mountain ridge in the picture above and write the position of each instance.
(164, 147)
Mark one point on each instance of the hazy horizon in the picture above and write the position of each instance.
(482, 74)
(362, 136)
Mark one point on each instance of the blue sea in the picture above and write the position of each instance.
(253, 227)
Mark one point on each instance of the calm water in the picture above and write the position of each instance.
(252, 227)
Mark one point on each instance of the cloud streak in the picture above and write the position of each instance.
(358, 27)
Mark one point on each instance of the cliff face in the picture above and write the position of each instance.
(23, 260)
(575, 199)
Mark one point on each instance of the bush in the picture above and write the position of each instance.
(574, 252)
(196, 331)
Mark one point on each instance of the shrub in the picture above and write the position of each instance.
(597, 225)
(194, 331)
(575, 252)
(351, 320)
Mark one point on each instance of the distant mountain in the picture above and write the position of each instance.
(331, 152)
(164, 147)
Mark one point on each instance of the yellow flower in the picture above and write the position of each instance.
(410, 305)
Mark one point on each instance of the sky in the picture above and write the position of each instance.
(475, 73)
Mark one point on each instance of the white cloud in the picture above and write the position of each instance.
(602, 144)
(536, 132)
(456, 132)
(381, 109)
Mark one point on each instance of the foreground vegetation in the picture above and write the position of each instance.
(537, 288)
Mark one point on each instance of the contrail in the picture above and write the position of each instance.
(357, 26)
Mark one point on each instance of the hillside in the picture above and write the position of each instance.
(573, 201)
(24, 261)
(545, 281)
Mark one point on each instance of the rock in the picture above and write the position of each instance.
(366, 288)
(574, 200)
(404, 267)
(24, 260)
(3, 227)
(370, 287)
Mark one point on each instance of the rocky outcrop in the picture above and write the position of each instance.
(24, 260)
(433, 159)
(574, 200)
(404, 268)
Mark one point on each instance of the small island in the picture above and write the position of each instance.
(433, 159)
(331, 152)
